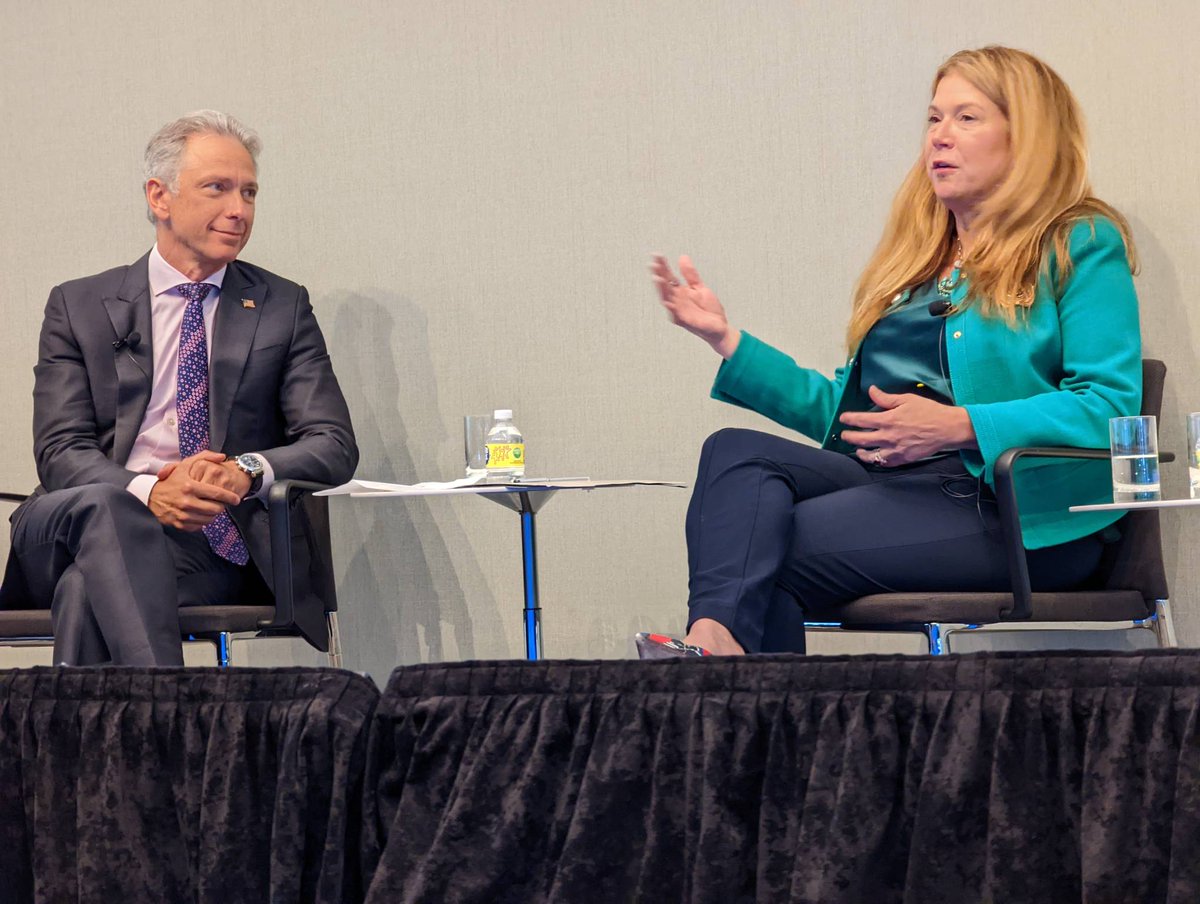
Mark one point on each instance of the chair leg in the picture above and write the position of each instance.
(1164, 625)
(335, 641)
(933, 634)
(224, 650)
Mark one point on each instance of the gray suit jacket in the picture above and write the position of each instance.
(271, 386)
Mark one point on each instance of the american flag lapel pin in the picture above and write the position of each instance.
(247, 302)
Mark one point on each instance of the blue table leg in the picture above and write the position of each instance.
(532, 612)
(526, 502)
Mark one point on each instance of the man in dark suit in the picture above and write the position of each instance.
(168, 396)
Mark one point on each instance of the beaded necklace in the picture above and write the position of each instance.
(946, 284)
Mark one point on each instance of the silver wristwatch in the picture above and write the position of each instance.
(253, 467)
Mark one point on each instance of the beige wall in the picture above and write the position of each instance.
(470, 191)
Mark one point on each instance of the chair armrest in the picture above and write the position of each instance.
(301, 560)
(1010, 517)
(14, 497)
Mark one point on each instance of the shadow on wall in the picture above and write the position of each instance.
(1165, 317)
(401, 593)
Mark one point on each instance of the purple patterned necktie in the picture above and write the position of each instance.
(191, 411)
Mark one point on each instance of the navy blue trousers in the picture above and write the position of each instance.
(778, 531)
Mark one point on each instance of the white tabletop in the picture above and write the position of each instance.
(375, 489)
(1153, 504)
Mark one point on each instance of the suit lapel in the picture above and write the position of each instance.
(242, 299)
(129, 312)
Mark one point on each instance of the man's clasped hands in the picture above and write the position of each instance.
(191, 493)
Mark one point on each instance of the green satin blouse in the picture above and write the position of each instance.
(905, 350)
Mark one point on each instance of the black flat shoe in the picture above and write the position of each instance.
(660, 646)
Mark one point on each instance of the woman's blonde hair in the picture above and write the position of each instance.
(1031, 212)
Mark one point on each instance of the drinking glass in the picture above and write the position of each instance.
(1193, 453)
(1133, 442)
(475, 428)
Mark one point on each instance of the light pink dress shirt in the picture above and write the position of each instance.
(157, 442)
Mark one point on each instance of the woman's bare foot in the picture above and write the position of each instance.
(714, 637)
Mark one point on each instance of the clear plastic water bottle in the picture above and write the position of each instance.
(505, 448)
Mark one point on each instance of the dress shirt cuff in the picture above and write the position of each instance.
(141, 486)
(268, 479)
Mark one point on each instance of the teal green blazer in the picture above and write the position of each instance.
(1071, 363)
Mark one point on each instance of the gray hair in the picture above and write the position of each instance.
(165, 149)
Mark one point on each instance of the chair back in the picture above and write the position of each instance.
(1135, 562)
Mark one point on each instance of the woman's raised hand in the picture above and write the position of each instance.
(693, 305)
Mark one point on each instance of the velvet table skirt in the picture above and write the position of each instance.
(991, 777)
(181, 785)
(1014, 777)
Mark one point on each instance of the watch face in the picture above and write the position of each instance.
(251, 464)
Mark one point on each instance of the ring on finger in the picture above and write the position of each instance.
(878, 458)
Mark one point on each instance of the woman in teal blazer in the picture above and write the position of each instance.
(997, 311)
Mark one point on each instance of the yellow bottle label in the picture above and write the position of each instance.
(505, 455)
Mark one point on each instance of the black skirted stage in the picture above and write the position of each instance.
(1018, 777)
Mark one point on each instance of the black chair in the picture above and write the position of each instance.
(305, 598)
(1128, 592)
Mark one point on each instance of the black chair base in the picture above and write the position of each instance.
(218, 625)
